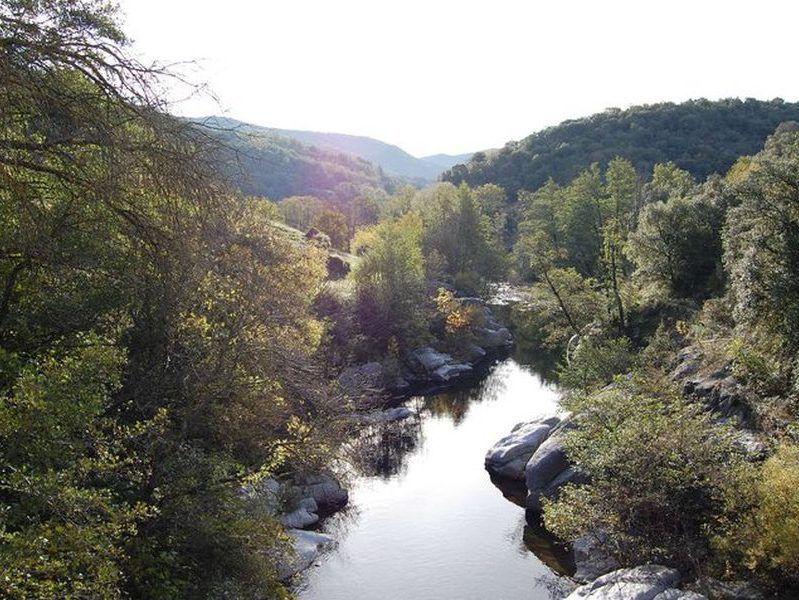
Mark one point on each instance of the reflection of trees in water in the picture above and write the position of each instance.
(380, 449)
(530, 348)
(553, 553)
(455, 403)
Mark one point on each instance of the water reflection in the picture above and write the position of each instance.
(425, 520)
(380, 449)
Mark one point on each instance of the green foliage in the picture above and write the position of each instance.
(767, 538)
(156, 337)
(300, 211)
(676, 247)
(700, 136)
(594, 363)
(660, 474)
(389, 282)
(761, 241)
(334, 225)
(464, 239)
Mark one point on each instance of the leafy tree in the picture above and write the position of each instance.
(389, 281)
(334, 224)
(300, 211)
(761, 241)
(155, 333)
(677, 246)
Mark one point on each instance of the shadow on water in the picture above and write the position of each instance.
(380, 449)
(552, 552)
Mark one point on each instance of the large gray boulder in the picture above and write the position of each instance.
(548, 470)
(428, 359)
(300, 518)
(493, 339)
(450, 372)
(325, 490)
(646, 582)
(592, 558)
(509, 456)
(307, 546)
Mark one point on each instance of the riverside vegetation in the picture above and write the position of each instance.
(166, 341)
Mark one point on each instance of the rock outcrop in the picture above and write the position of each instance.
(325, 491)
(534, 452)
(430, 365)
(509, 456)
(549, 468)
(716, 388)
(647, 582)
(307, 545)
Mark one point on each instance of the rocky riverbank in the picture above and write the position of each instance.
(431, 368)
(533, 454)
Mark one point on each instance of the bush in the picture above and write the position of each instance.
(766, 539)
(596, 362)
(660, 475)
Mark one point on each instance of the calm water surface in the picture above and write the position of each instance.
(424, 521)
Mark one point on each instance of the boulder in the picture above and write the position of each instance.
(427, 359)
(675, 594)
(337, 267)
(263, 496)
(508, 457)
(646, 582)
(474, 354)
(299, 518)
(325, 490)
(547, 470)
(492, 339)
(307, 546)
(450, 372)
(591, 558)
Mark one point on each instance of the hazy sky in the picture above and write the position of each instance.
(458, 76)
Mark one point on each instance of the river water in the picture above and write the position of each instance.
(425, 522)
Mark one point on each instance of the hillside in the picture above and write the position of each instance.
(390, 158)
(262, 163)
(700, 136)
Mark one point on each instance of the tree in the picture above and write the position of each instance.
(677, 247)
(761, 241)
(300, 211)
(390, 282)
(334, 224)
(155, 333)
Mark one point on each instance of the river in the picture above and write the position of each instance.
(425, 522)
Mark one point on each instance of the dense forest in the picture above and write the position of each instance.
(171, 339)
(699, 136)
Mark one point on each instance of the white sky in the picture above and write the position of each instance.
(459, 76)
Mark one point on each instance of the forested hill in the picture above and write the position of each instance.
(262, 163)
(392, 159)
(700, 136)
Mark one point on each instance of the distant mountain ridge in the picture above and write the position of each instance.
(392, 159)
(700, 136)
(261, 163)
